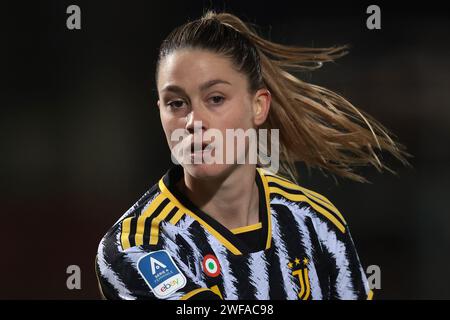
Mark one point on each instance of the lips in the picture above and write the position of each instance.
(198, 147)
(194, 144)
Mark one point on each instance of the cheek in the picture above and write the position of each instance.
(171, 124)
(242, 117)
(164, 122)
(167, 124)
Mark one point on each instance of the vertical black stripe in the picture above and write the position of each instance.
(354, 265)
(332, 270)
(185, 251)
(293, 240)
(200, 237)
(131, 236)
(240, 268)
(290, 232)
(320, 259)
(276, 286)
(108, 290)
(263, 214)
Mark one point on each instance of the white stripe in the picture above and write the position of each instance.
(229, 281)
(299, 216)
(174, 251)
(110, 275)
(344, 287)
(185, 222)
(259, 276)
(182, 230)
(366, 282)
(290, 284)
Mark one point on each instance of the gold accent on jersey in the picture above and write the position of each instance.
(125, 232)
(147, 213)
(326, 203)
(192, 293)
(177, 217)
(305, 190)
(140, 227)
(210, 229)
(305, 288)
(269, 215)
(251, 227)
(154, 231)
(216, 290)
(302, 198)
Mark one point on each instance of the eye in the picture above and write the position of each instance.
(216, 100)
(176, 104)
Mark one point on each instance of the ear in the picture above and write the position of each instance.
(261, 106)
(159, 104)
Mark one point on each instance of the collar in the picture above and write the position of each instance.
(167, 186)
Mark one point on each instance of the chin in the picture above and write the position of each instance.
(208, 171)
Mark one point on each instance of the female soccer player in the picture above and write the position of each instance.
(235, 230)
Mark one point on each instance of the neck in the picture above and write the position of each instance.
(233, 201)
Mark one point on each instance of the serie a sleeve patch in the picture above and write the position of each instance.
(161, 273)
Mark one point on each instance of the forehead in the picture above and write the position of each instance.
(190, 67)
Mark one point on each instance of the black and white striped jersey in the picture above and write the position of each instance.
(164, 247)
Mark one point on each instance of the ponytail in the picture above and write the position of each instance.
(317, 126)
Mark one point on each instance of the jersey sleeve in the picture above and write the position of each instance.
(348, 280)
(147, 272)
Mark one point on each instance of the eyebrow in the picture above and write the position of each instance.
(202, 87)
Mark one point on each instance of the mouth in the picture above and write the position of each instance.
(198, 148)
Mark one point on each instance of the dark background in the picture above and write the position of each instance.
(81, 139)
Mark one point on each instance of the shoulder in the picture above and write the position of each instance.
(141, 224)
(134, 235)
(116, 240)
(303, 201)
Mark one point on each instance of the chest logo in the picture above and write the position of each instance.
(299, 269)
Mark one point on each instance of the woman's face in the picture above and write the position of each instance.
(198, 85)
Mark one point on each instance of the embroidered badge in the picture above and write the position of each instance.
(299, 268)
(161, 273)
(211, 265)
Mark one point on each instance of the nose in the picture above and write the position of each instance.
(196, 121)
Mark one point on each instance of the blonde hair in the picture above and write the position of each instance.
(317, 126)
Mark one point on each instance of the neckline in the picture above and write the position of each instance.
(231, 241)
(249, 228)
